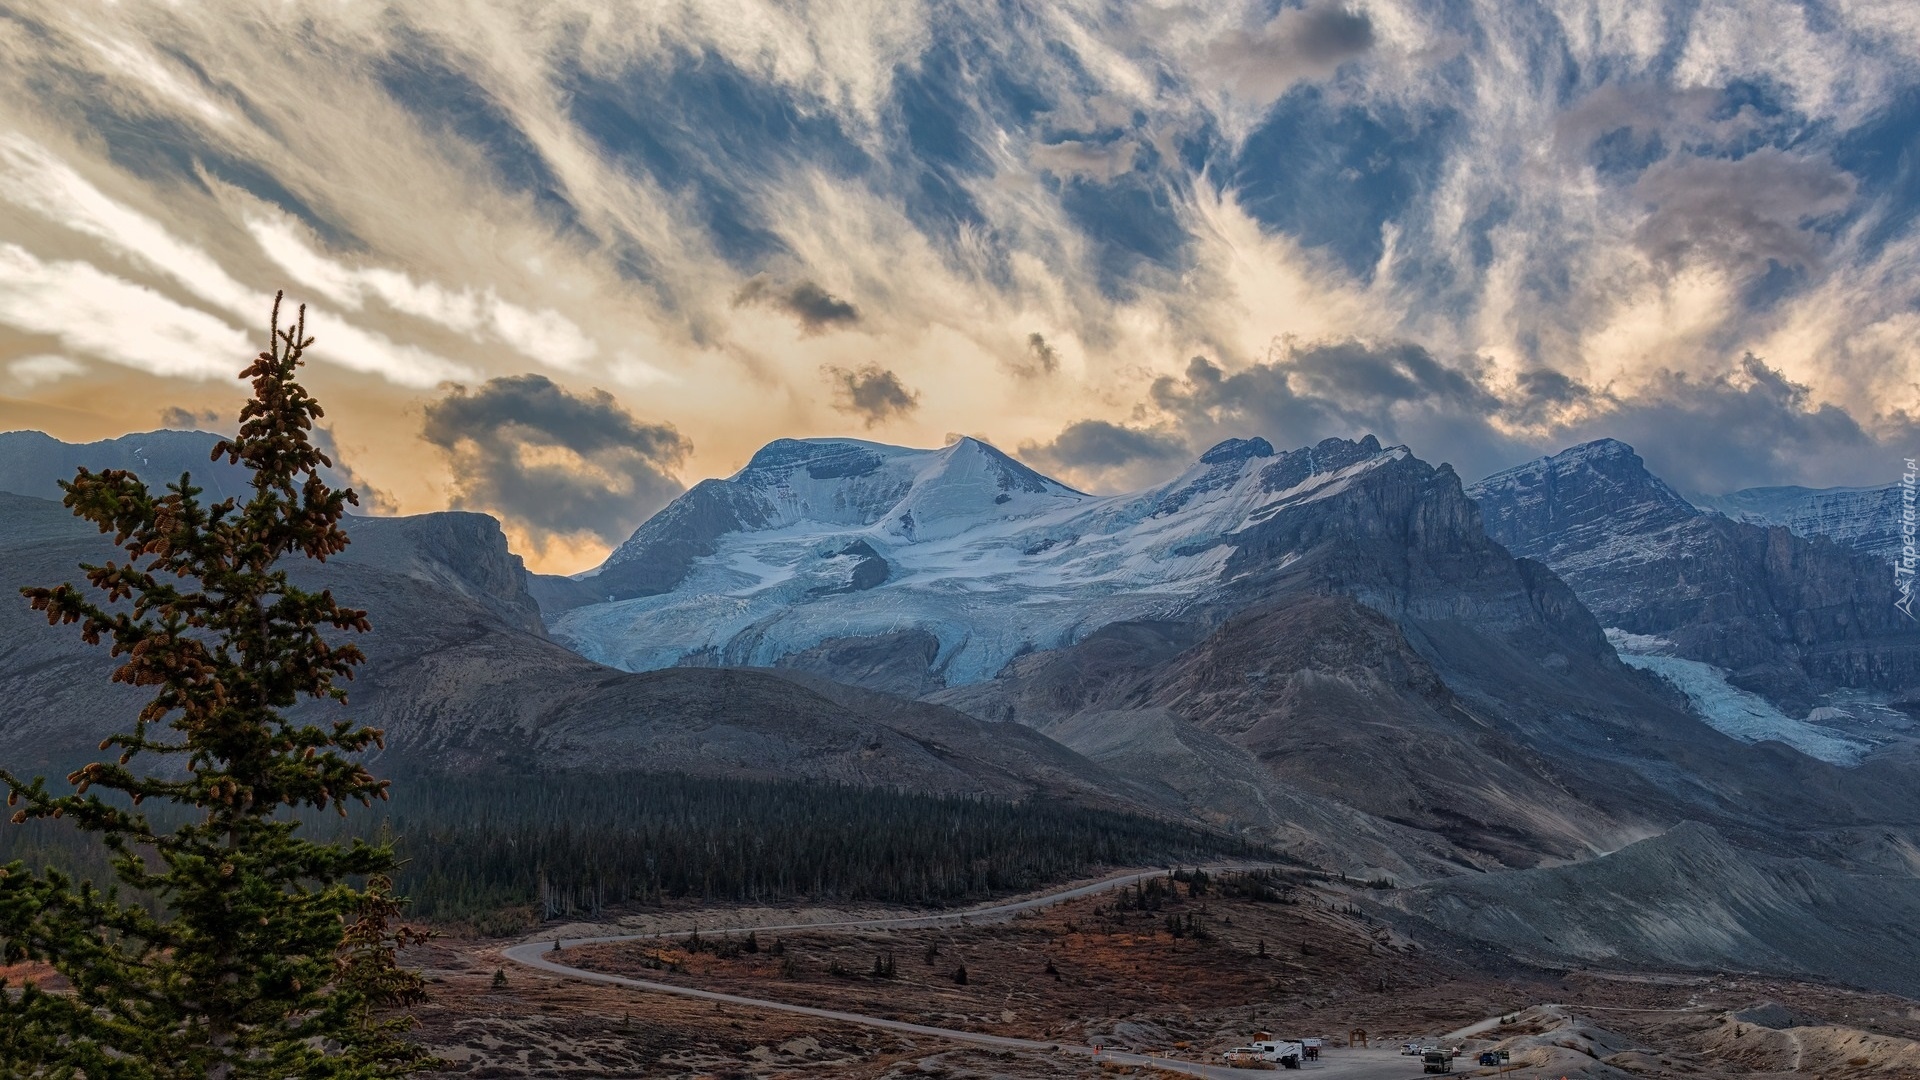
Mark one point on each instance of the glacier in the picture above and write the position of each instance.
(822, 540)
(1729, 709)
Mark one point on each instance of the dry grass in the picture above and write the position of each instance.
(1122, 978)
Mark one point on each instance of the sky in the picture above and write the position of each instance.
(563, 258)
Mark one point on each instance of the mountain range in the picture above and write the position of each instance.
(1866, 519)
(1790, 617)
(1340, 649)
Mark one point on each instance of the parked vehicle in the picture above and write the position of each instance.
(1245, 1057)
(1286, 1052)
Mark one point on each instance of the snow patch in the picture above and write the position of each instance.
(1624, 642)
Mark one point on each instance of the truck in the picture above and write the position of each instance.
(1436, 1061)
(1284, 1051)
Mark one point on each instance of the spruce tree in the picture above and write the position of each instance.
(232, 945)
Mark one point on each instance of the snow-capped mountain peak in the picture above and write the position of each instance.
(910, 495)
(964, 543)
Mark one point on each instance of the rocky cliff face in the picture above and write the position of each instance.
(1406, 540)
(465, 553)
(1865, 519)
(1789, 616)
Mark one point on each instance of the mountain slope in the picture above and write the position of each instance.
(1690, 899)
(1867, 520)
(1373, 649)
(461, 678)
(1789, 617)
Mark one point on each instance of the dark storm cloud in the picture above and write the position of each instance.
(554, 462)
(1100, 449)
(1038, 360)
(1371, 377)
(816, 309)
(1646, 110)
(1397, 390)
(1544, 393)
(871, 392)
(1744, 427)
(179, 419)
(1740, 213)
(1308, 43)
(1749, 427)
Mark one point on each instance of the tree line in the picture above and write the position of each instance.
(575, 843)
(500, 851)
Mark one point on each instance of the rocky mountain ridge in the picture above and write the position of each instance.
(1866, 519)
(1789, 617)
(825, 544)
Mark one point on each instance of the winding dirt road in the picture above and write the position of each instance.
(545, 956)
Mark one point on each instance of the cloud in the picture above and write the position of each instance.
(554, 463)
(183, 419)
(31, 371)
(1746, 425)
(1297, 44)
(872, 393)
(1397, 390)
(32, 177)
(95, 313)
(1646, 109)
(1740, 214)
(1749, 426)
(373, 500)
(816, 309)
(479, 314)
(1038, 360)
(1072, 159)
(1103, 455)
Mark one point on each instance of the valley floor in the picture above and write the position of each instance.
(1140, 971)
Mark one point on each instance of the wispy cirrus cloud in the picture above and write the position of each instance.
(33, 178)
(478, 314)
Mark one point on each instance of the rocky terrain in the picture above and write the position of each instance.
(1788, 616)
(1306, 959)
(1689, 900)
(1866, 519)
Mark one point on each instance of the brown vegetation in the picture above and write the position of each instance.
(1122, 976)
